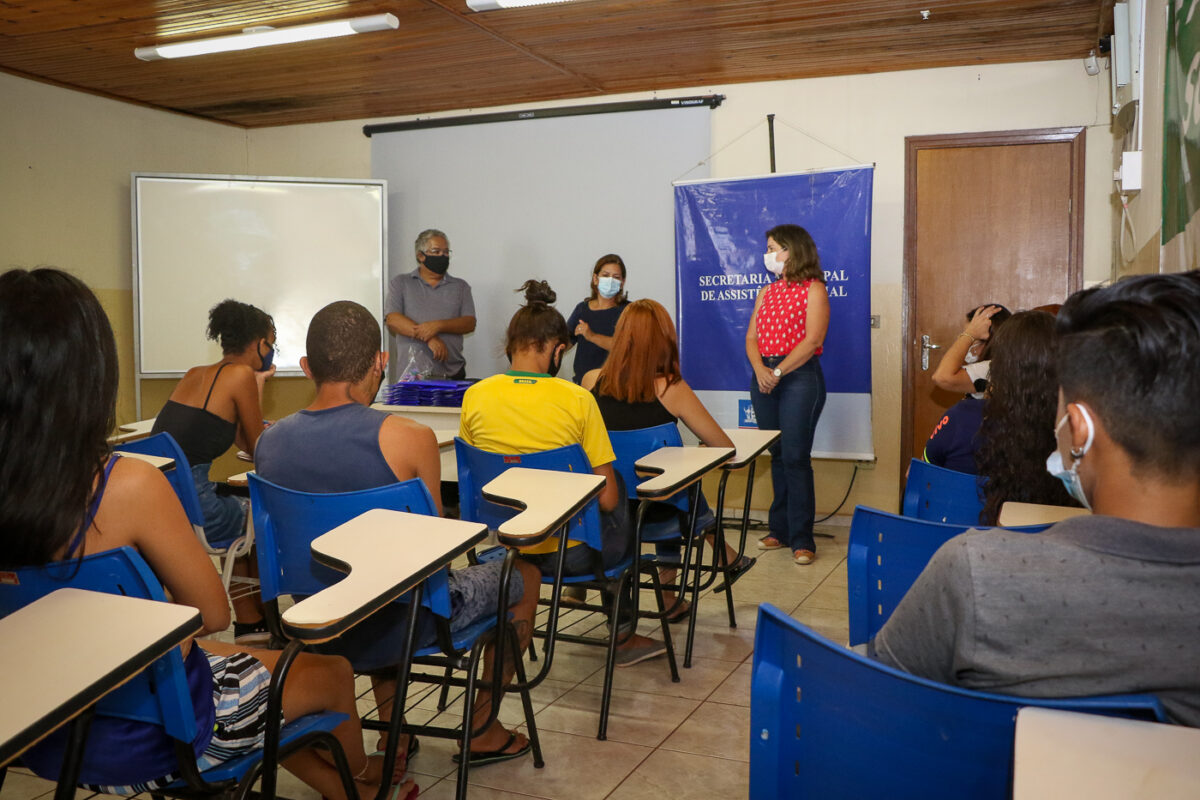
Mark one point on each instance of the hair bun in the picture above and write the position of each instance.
(538, 292)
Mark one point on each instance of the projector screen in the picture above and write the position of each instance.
(287, 245)
(542, 198)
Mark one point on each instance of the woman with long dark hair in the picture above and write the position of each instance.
(63, 495)
(783, 343)
(1018, 416)
(594, 320)
(528, 410)
(641, 386)
(213, 407)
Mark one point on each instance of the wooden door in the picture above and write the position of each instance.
(989, 218)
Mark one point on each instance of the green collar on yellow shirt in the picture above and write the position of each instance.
(516, 373)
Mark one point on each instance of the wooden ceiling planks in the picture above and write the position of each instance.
(445, 57)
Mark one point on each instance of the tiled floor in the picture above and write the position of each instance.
(665, 740)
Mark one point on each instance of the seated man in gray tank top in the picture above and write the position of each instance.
(1101, 604)
(339, 444)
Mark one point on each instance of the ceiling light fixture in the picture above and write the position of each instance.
(494, 5)
(265, 36)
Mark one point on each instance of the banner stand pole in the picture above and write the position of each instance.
(771, 139)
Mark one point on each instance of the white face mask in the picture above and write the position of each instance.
(608, 287)
(774, 266)
(1070, 477)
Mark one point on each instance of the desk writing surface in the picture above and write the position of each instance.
(749, 444)
(445, 436)
(240, 479)
(1070, 756)
(159, 462)
(678, 467)
(548, 498)
(426, 415)
(386, 553)
(132, 431)
(68, 649)
(1014, 514)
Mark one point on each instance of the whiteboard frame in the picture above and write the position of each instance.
(136, 177)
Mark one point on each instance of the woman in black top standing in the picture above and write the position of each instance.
(215, 406)
(594, 321)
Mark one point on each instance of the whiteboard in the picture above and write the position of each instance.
(287, 245)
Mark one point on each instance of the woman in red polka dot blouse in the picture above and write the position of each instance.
(783, 343)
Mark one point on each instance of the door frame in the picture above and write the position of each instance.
(1075, 136)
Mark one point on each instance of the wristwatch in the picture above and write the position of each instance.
(777, 372)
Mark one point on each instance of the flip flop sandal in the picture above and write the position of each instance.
(414, 747)
(681, 614)
(734, 572)
(480, 758)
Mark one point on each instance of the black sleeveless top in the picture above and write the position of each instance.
(621, 416)
(201, 434)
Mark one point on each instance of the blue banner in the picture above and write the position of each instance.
(720, 229)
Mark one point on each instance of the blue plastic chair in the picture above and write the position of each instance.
(476, 468)
(826, 722)
(938, 494)
(180, 478)
(629, 446)
(887, 552)
(159, 695)
(286, 522)
(632, 445)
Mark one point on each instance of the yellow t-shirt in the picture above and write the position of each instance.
(521, 412)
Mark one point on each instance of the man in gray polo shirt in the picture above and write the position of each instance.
(1102, 604)
(428, 311)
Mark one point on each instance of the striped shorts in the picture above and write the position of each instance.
(240, 692)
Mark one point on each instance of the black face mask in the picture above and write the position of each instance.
(555, 363)
(437, 264)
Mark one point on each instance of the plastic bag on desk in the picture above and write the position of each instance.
(418, 364)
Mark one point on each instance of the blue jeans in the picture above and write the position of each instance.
(224, 515)
(793, 408)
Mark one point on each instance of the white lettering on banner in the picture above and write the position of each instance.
(735, 279)
(838, 291)
(836, 275)
(730, 294)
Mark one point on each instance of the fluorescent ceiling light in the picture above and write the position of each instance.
(266, 36)
(493, 5)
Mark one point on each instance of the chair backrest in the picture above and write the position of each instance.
(938, 494)
(163, 444)
(286, 522)
(880, 732)
(158, 694)
(477, 467)
(887, 552)
(629, 446)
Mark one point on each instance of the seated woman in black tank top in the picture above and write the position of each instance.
(213, 407)
(640, 386)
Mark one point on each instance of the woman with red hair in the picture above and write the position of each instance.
(640, 386)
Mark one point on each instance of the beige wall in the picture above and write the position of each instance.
(67, 159)
(1145, 207)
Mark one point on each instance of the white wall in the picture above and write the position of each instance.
(64, 194)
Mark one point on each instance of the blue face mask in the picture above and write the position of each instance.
(268, 359)
(1070, 477)
(608, 287)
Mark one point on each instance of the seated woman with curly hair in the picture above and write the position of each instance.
(1018, 417)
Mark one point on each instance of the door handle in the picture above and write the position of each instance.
(926, 346)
